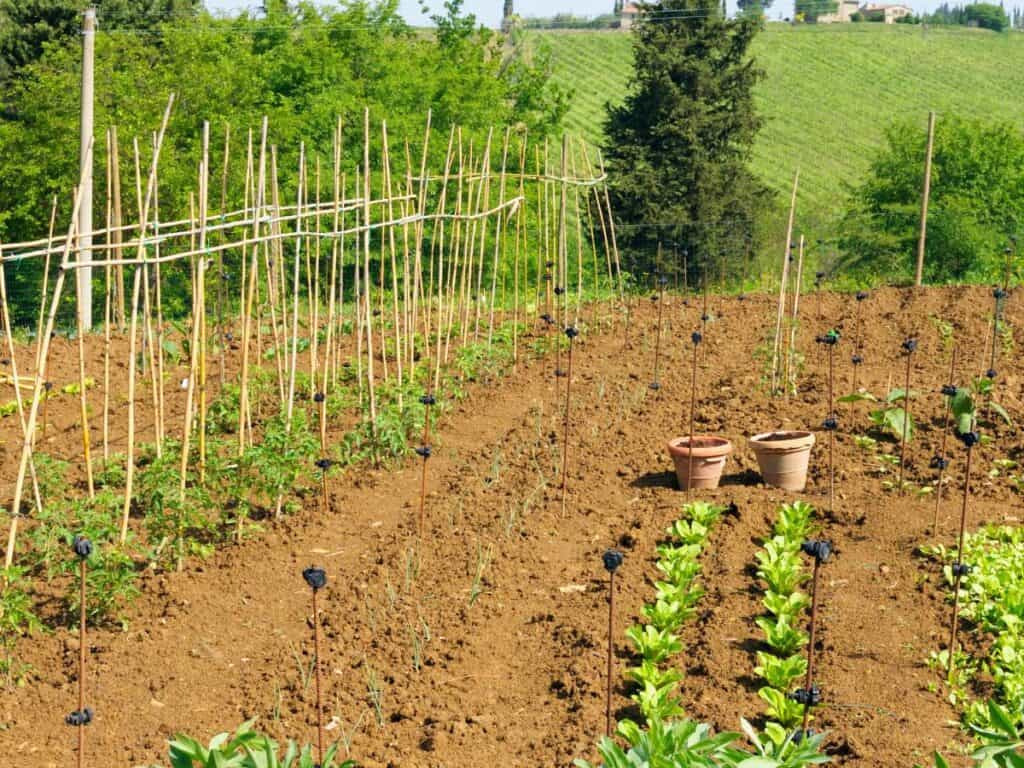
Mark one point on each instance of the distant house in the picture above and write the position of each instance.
(890, 14)
(843, 14)
(628, 14)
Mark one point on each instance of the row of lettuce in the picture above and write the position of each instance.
(664, 736)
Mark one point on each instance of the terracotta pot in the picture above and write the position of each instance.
(709, 454)
(783, 457)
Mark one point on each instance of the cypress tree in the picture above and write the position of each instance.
(679, 145)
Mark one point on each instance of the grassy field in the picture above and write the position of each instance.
(829, 94)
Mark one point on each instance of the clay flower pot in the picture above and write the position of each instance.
(709, 454)
(783, 457)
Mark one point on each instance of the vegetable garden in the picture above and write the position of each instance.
(384, 522)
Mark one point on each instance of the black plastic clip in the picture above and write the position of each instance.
(969, 439)
(81, 546)
(315, 577)
(612, 559)
(807, 696)
(819, 549)
(79, 717)
(961, 569)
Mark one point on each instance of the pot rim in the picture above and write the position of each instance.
(790, 440)
(722, 446)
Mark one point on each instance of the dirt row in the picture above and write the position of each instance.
(485, 643)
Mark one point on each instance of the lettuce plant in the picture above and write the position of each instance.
(780, 565)
(781, 672)
(653, 644)
(782, 636)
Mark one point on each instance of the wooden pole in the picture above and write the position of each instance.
(925, 193)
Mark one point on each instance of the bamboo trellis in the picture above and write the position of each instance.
(440, 243)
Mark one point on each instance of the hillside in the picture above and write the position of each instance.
(830, 91)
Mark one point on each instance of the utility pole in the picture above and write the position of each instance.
(924, 199)
(85, 171)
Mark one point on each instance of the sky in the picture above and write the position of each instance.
(488, 12)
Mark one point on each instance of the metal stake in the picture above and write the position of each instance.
(612, 559)
(909, 346)
(958, 568)
(317, 578)
(941, 459)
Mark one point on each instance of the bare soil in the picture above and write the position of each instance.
(485, 644)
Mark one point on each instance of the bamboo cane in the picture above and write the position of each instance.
(366, 281)
(791, 350)
(782, 285)
(143, 220)
(26, 451)
(386, 161)
(520, 234)
(5, 318)
(108, 277)
(243, 397)
(499, 243)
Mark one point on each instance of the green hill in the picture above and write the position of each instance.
(829, 94)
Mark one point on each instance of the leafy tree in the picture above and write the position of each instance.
(976, 202)
(678, 146)
(26, 26)
(300, 65)
(810, 10)
(987, 16)
(755, 8)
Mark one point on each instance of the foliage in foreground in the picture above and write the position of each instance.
(247, 748)
(782, 664)
(1000, 743)
(992, 599)
(657, 639)
(688, 744)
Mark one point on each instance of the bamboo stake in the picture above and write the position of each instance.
(26, 451)
(202, 265)
(27, 437)
(499, 242)
(791, 377)
(366, 281)
(106, 314)
(421, 208)
(335, 250)
(386, 160)
(84, 404)
(940, 461)
(221, 293)
(46, 276)
(243, 397)
(520, 235)
(611, 226)
(782, 284)
(143, 220)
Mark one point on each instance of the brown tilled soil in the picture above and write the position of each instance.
(507, 601)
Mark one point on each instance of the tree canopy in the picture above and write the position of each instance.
(300, 65)
(679, 145)
(976, 203)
